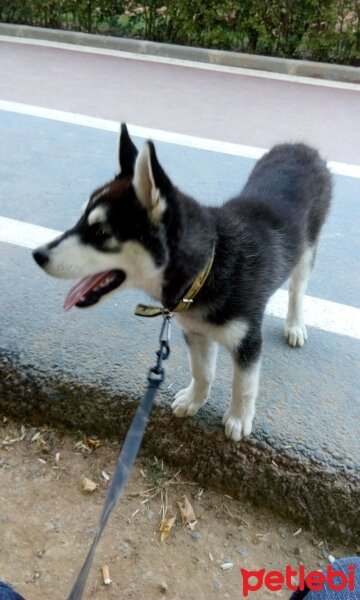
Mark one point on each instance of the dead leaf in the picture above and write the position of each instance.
(87, 485)
(82, 447)
(105, 475)
(187, 513)
(8, 442)
(226, 565)
(165, 527)
(93, 443)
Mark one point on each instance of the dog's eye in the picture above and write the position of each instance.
(100, 231)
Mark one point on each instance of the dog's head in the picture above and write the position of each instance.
(120, 239)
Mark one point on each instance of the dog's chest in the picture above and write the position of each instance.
(229, 335)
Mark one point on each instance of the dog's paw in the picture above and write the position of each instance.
(186, 404)
(236, 428)
(295, 334)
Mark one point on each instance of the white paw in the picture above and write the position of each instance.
(186, 404)
(295, 334)
(236, 428)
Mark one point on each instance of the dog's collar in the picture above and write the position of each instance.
(143, 310)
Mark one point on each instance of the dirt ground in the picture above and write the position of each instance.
(47, 523)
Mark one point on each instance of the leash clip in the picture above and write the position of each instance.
(156, 374)
(165, 329)
(165, 336)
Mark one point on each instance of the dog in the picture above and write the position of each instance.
(141, 231)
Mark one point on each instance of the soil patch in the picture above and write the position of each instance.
(47, 522)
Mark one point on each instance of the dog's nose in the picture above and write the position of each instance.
(41, 256)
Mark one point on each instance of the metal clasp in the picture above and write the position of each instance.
(165, 336)
(156, 374)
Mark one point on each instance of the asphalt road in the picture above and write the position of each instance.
(309, 400)
(248, 110)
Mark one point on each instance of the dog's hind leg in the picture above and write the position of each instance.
(202, 355)
(247, 363)
(295, 329)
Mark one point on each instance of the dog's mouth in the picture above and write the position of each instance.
(89, 290)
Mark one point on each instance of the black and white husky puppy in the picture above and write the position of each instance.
(140, 231)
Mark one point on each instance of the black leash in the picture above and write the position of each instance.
(128, 453)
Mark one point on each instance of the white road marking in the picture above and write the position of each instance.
(253, 152)
(24, 234)
(322, 314)
(185, 63)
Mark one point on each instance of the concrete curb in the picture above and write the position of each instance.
(299, 68)
(301, 490)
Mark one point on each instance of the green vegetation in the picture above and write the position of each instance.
(325, 30)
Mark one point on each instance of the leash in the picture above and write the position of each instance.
(128, 453)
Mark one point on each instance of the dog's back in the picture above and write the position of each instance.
(278, 215)
(293, 181)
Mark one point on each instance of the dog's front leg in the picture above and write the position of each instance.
(247, 362)
(202, 355)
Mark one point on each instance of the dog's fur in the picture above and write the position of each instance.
(150, 235)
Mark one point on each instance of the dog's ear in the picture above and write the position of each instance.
(127, 153)
(150, 182)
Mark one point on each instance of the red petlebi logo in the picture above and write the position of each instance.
(275, 581)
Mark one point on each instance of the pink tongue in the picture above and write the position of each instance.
(82, 287)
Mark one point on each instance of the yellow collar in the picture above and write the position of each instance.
(143, 310)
